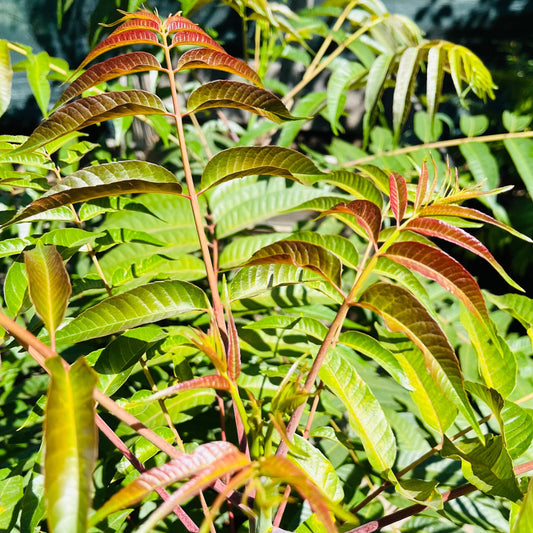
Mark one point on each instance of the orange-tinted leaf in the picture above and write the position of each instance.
(367, 214)
(422, 186)
(241, 96)
(139, 23)
(101, 181)
(300, 254)
(48, 284)
(122, 38)
(177, 23)
(112, 68)
(398, 195)
(195, 37)
(184, 467)
(91, 110)
(283, 469)
(214, 381)
(142, 14)
(433, 227)
(233, 351)
(434, 264)
(213, 59)
(404, 313)
(440, 210)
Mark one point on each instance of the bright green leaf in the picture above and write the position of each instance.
(6, 75)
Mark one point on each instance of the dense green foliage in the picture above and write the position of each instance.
(243, 332)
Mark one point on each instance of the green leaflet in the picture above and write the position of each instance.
(6, 75)
(521, 152)
(524, 516)
(71, 445)
(365, 414)
(142, 305)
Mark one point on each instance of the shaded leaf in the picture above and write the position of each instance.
(242, 161)
(404, 313)
(365, 414)
(213, 59)
(227, 93)
(142, 305)
(443, 230)
(487, 466)
(91, 110)
(6, 75)
(184, 467)
(100, 181)
(518, 305)
(300, 254)
(521, 151)
(435, 264)
(71, 445)
(367, 214)
(398, 196)
(48, 284)
(107, 70)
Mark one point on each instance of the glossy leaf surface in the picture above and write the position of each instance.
(142, 305)
(244, 161)
(365, 414)
(101, 181)
(403, 313)
(213, 59)
(48, 284)
(196, 37)
(227, 93)
(71, 445)
(91, 110)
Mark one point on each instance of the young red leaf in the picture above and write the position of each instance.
(213, 381)
(122, 38)
(213, 59)
(404, 313)
(233, 355)
(142, 14)
(440, 210)
(300, 254)
(107, 70)
(195, 37)
(49, 285)
(433, 227)
(422, 186)
(367, 214)
(241, 96)
(176, 23)
(92, 110)
(139, 23)
(434, 264)
(398, 195)
(184, 467)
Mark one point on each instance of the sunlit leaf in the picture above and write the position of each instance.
(6, 75)
(487, 466)
(520, 151)
(440, 267)
(176, 23)
(204, 382)
(242, 161)
(367, 214)
(184, 467)
(434, 77)
(107, 70)
(101, 181)
(227, 93)
(398, 195)
(196, 37)
(404, 313)
(91, 110)
(48, 284)
(300, 254)
(213, 59)
(365, 414)
(518, 305)
(71, 445)
(142, 305)
(122, 38)
(524, 518)
(310, 326)
(433, 227)
(446, 210)
(404, 88)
